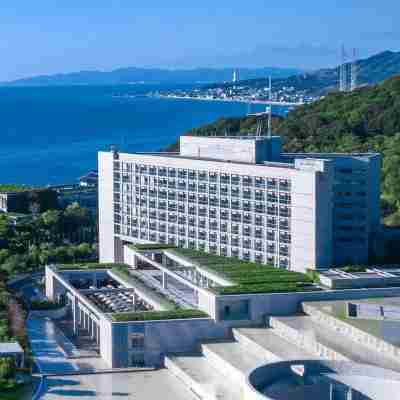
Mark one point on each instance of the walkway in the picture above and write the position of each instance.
(147, 385)
(45, 340)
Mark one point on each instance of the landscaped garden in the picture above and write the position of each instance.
(249, 277)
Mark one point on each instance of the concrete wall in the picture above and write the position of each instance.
(106, 207)
(161, 337)
(263, 305)
(106, 341)
(312, 216)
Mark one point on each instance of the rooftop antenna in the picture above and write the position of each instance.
(270, 109)
(343, 71)
(353, 79)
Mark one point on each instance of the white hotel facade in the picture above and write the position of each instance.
(242, 197)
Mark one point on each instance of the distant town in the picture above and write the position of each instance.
(285, 95)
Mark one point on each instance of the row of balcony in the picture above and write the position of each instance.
(193, 186)
(245, 244)
(256, 232)
(202, 176)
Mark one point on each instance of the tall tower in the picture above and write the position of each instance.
(353, 72)
(269, 134)
(343, 71)
(235, 77)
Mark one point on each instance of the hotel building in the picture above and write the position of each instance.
(242, 197)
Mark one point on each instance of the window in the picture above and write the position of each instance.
(137, 360)
(238, 310)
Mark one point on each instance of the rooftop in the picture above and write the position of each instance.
(10, 348)
(247, 277)
(122, 294)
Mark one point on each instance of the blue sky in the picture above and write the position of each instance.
(48, 36)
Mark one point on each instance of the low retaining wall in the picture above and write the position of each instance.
(264, 305)
(382, 384)
(53, 314)
(349, 330)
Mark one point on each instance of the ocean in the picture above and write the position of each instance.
(51, 135)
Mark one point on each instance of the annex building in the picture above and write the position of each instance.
(242, 197)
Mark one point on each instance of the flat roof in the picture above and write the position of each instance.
(10, 348)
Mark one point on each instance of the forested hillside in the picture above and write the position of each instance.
(365, 120)
(370, 70)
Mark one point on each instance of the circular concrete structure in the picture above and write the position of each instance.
(321, 380)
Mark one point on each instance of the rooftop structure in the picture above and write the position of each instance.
(167, 300)
(23, 199)
(358, 276)
(90, 179)
(242, 197)
(12, 350)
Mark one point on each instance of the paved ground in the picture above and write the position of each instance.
(45, 340)
(147, 385)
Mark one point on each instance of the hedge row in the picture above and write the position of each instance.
(88, 266)
(151, 246)
(159, 315)
(38, 305)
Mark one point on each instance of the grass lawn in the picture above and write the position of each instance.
(249, 277)
(151, 246)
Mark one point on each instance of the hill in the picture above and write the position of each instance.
(371, 70)
(366, 119)
(144, 75)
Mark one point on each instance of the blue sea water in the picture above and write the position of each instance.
(51, 135)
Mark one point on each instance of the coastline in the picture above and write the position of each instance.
(245, 101)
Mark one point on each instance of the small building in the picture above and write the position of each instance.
(12, 350)
(21, 199)
(90, 179)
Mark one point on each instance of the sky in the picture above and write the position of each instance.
(60, 36)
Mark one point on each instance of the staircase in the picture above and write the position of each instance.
(219, 369)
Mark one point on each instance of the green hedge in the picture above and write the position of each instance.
(159, 315)
(88, 266)
(38, 305)
(151, 246)
(354, 268)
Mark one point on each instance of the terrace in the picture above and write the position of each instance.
(221, 275)
(120, 293)
(360, 276)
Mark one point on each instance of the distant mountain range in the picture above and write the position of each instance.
(133, 75)
(370, 70)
